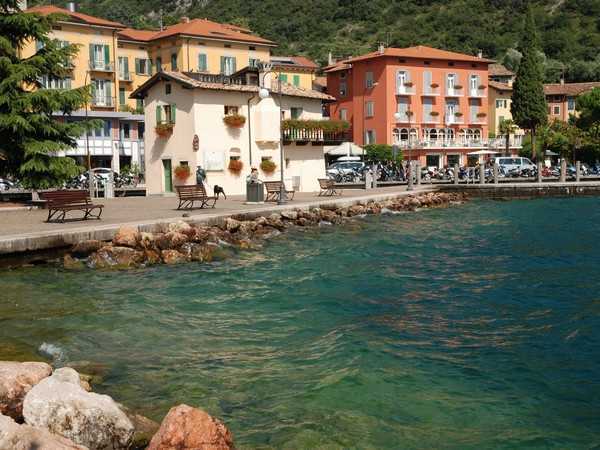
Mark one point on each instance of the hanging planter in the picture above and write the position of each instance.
(268, 166)
(435, 85)
(458, 114)
(234, 120)
(235, 166)
(408, 84)
(482, 86)
(481, 114)
(409, 113)
(457, 86)
(434, 113)
(164, 129)
(182, 172)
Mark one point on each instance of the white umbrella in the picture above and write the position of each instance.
(483, 152)
(344, 149)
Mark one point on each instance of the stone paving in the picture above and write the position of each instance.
(26, 230)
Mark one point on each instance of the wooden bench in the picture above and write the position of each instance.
(273, 189)
(63, 201)
(189, 194)
(327, 186)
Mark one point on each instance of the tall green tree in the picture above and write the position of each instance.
(31, 134)
(528, 107)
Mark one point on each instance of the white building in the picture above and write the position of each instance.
(194, 106)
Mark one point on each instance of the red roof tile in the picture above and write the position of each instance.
(499, 86)
(74, 16)
(499, 70)
(136, 35)
(208, 29)
(570, 88)
(300, 62)
(421, 52)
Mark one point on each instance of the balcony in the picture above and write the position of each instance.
(477, 93)
(302, 136)
(103, 101)
(432, 117)
(125, 76)
(499, 143)
(101, 66)
(454, 119)
(456, 91)
(403, 89)
(429, 91)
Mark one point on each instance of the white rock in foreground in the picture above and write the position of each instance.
(59, 404)
(23, 437)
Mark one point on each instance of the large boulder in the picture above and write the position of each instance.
(116, 257)
(127, 237)
(86, 248)
(232, 225)
(179, 227)
(23, 437)
(171, 240)
(59, 404)
(174, 257)
(187, 428)
(16, 380)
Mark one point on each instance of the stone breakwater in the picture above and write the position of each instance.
(182, 242)
(46, 409)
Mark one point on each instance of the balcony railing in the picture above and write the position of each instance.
(219, 78)
(431, 118)
(103, 101)
(402, 89)
(515, 141)
(429, 91)
(452, 119)
(125, 76)
(477, 93)
(478, 120)
(102, 66)
(315, 135)
(454, 92)
(494, 144)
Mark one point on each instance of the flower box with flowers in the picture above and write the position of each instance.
(234, 120)
(268, 166)
(164, 129)
(182, 172)
(235, 166)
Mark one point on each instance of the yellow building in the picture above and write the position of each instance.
(500, 99)
(298, 71)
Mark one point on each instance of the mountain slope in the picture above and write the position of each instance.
(570, 29)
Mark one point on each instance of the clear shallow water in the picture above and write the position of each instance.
(469, 327)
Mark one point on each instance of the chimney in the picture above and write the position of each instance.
(562, 80)
(381, 48)
(330, 59)
(71, 6)
(184, 19)
(479, 54)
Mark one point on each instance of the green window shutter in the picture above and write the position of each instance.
(126, 65)
(139, 105)
(158, 114)
(173, 109)
(109, 93)
(91, 53)
(202, 62)
(222, 64)
(106, 55)
(283, 78)
(159, 64)
(121, 96)
(296, 80)
(137, 66)
(234, 65)
(93, 88)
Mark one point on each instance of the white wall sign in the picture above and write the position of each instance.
(214, 159)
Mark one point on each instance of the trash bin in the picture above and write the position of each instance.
(255, 192)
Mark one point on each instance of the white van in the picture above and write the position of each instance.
(514, 162)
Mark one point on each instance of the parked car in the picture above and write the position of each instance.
(344, 168)
(5, 184)
(103, 172)
(515, 163)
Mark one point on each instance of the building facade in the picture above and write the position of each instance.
(562, 98)
(195, 107)
(298, 71)
(433, 101)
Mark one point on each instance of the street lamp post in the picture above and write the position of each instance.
(87, 139)
(264, 93)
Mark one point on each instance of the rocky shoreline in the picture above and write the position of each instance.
(182, 242)
(46, 409)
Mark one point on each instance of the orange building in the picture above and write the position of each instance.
(561, 98)
(432, 100)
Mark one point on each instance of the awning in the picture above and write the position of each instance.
(344, 149)
(551, 153)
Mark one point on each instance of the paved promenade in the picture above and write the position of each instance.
(26, 230)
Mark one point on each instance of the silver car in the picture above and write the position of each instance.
(344, 167)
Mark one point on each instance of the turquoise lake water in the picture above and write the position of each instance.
(471, 327)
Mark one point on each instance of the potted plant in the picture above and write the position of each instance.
(164, 129)
(481, 114)
(235, 166)
(457, 86)
(482, 86)
(234, 120)
(182, 172)
(434, 113)
(458, 114)
(409, 113)
(435, 85)
(268, 166)
(408, 84)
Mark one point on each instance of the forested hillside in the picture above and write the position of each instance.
(570, 29)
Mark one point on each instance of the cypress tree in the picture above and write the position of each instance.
(30, 132)
(528, 107)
